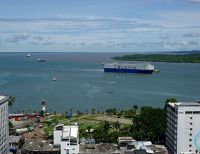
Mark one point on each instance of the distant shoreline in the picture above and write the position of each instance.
(172, 58)
(126, 52)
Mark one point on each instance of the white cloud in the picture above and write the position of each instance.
(39, 38)
(191, 34)
(17, 38)
(104, 33)
(179, 19)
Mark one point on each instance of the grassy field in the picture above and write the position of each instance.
(84, 121)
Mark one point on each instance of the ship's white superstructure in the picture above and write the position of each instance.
(128, 67)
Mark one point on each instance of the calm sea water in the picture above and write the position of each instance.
(81, 83)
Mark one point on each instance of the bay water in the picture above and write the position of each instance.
(82, 85)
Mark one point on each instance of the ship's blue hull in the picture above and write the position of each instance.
(127, 70)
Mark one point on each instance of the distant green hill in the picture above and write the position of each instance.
(178, 58)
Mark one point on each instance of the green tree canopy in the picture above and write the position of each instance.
(11, 100)
(171, 100)
(150, 124)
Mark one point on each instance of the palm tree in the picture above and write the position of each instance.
(11, 100)
(66, 113)
(106, 127)
(117, 125)
(78, 112)
(54, 112)
(135, 107)
(93, 111)
(87, 111)
(169, 100)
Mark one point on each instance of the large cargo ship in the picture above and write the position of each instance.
(128, 67)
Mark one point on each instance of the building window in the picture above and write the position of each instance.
(190, 128)
(190, 117)
(190, 145)
(190, 134)
(196, 112)
(190, 123)
(190, 139)
(188, 112)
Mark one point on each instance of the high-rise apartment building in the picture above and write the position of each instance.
(183, 127)
(4, 129)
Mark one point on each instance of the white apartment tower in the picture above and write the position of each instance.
(4, 129)
(183, 127)
(67, 138)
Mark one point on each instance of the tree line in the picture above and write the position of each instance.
(148, 124)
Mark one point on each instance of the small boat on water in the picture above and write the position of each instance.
(41, 60)
(110, 92)
(54, 79)
(157, 71)
(28, 55)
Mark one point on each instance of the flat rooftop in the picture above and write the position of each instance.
(125, 138)
(14, 139)
(38, 145)
(177, 104)
(101, 148)
(68, 132)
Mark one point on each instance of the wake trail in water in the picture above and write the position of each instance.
(109, 82)
(74, 69)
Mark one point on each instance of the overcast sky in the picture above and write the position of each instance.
(99, 25)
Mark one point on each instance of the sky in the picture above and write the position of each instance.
(99, 25)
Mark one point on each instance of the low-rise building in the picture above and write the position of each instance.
(139, 147)
(17, 117)
(39, 147)
(124, 141)
(128, 145)
(135, 147)
(14, 143)
(67, 138)
(101, 148)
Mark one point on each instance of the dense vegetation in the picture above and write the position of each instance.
(147, 124)
(128, 113)
(150, 124)
(179, 58)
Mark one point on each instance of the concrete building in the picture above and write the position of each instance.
(101, 148)
(127, 145)
(39, 147)
(124, 141)
(67, 138)
(183, 127)
(134, 147)
(14, 142)
(4, 130)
